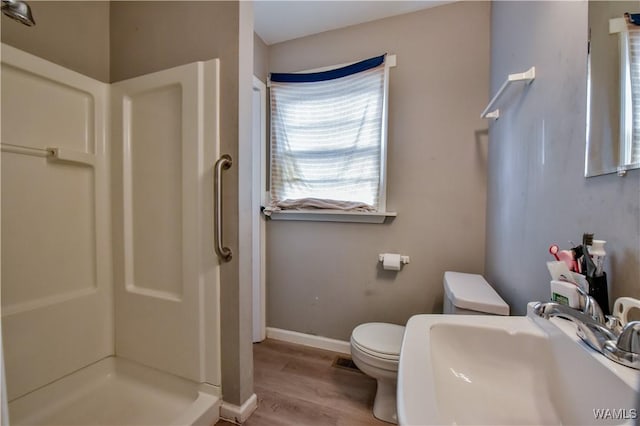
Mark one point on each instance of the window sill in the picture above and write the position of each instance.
(332, 216)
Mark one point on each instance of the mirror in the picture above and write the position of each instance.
(604, 147)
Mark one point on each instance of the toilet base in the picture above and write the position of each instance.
(384, 406)
(379, 359)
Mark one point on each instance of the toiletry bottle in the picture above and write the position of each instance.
(598, 254)
(598, 279)
(565, 293)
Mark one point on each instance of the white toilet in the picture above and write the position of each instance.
(375, 346)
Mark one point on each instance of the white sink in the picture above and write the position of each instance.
(490, 370)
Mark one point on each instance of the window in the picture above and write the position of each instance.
(328, 138)
(630, 111)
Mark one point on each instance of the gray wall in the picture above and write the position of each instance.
(323, 278)
(74, 35)
(151, 36)
(537, 194)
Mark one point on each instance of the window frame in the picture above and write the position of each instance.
(626, 101)
(330, 215)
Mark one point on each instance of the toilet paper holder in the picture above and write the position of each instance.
(405, 260)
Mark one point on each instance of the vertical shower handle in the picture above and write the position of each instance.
(224, 163)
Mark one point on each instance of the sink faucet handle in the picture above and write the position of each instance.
(629, 339)
(626, 350)
(613, 323)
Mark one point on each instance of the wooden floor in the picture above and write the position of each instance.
(297, 385)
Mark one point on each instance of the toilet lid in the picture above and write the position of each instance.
(379, 337)
(473, 292)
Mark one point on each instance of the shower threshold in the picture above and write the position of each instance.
(118, 392)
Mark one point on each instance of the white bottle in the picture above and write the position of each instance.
(598, 254)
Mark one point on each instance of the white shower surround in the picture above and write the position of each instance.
(115, 391)
(60, 334)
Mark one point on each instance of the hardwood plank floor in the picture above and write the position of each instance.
(299, 386)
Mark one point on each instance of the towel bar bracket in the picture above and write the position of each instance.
(527, 77)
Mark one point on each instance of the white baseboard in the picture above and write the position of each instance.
(319, 342)
(238, 415)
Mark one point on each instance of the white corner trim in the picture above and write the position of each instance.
(319, 342)
(239, 415)
(617, 25)
(391, 61)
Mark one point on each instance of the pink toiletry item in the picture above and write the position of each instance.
(567, 257)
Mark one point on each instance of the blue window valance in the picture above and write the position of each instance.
(328, 75)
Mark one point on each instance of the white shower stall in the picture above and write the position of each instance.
(110, 282)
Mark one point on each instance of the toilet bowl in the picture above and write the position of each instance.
(375, 349)
(375, 346)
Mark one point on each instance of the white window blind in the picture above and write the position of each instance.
(327, 140)
(631, 150)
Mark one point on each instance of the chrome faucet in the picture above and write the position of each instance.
(604, 334)
(592, 308)
(594, 332)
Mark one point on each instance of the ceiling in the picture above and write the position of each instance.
(276, 21)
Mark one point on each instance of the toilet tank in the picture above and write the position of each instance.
(471, 294)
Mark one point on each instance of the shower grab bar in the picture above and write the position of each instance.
(56, 154)
(528, 76)
(224, 163)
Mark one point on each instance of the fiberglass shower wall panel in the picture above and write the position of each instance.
(165, 134)
(56, 254)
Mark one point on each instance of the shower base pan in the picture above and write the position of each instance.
(117, 392)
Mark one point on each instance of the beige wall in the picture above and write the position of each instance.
(260, 58)
(323, 278)
(151, 36)
(237, 318)
(156, 35)
(74, 34)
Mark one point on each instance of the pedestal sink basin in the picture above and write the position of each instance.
(486, 370)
